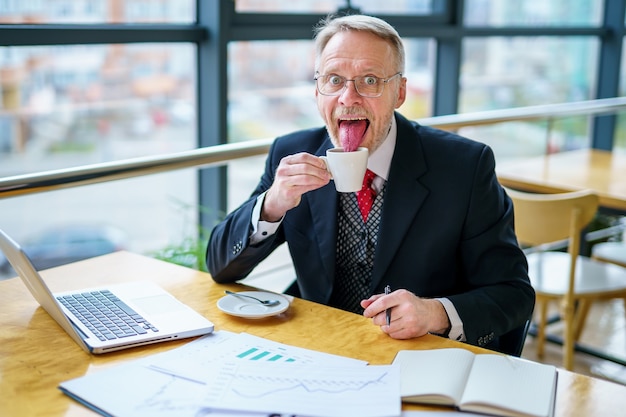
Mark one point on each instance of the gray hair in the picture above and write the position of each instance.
(332, 25)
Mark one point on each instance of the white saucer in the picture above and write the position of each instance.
(240, 307)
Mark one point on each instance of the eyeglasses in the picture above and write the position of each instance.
(367, 86)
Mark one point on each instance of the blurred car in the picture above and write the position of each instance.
(69, 243)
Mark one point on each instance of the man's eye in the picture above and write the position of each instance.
(370, 80)
(335, 80)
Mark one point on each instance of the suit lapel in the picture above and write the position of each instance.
(404, 195)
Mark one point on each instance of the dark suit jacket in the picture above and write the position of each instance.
(446, 231)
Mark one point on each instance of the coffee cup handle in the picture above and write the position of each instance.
(325, 159)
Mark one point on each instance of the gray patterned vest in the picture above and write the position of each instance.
(356, 244)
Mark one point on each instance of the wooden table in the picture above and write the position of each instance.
(601, 171)
(36, 355)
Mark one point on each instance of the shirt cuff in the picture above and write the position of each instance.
(456, 325)
(261, 229)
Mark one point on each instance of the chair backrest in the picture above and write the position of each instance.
(547, 218)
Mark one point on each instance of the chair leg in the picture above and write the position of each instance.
(541, 328)
(580, 317)
(568, 336)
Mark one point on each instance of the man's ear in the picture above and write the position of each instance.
(401, 93)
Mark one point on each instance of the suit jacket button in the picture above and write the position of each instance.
(237, 247)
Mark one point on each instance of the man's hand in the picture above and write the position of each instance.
(295, 175)
(411, 316)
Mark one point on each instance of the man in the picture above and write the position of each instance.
(440, 230)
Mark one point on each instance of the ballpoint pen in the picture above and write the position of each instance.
(388, 311)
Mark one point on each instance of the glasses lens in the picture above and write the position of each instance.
(330, 84)
(368, 86)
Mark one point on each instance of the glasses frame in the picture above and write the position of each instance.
(339, 92)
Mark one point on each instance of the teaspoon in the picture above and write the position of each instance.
(268, 303)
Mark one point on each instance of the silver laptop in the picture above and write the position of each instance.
(143, 312)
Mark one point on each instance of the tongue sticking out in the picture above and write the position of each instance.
(351, 133)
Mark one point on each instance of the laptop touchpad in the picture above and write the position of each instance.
(158, 304)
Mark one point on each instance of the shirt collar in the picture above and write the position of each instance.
(380, 160)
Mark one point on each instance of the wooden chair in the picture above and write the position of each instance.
(573, 280)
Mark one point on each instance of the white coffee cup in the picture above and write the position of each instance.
(347, 168)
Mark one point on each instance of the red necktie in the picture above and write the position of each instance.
(366, 196)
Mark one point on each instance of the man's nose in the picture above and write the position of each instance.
(350, 95)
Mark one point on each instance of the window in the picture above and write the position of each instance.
(97, 11)
(73, 105)
(501, 73)
(532, 13)
(403, 7)
(69, 105)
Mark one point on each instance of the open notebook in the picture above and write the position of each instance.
(117, 317)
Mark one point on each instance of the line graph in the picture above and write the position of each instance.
(257, 387)
(307, 390)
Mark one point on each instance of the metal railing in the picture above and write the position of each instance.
(222, 154)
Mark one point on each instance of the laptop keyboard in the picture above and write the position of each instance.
(105, 315)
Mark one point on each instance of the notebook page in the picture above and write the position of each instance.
(511, 384)
(427, 374)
